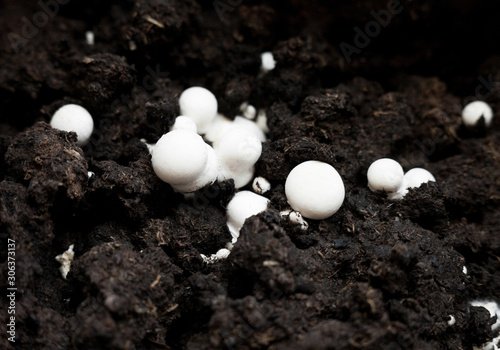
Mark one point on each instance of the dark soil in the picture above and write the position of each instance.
(376, 275)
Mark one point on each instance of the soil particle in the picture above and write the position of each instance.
(47, 160)
(101, 77)
(124, 316)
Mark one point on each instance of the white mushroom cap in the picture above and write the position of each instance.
(222, 253)
(249, 112)
(251, 126)
(413, 178)
(243, 205)
(385, 174)
(417, 176)
(186, 123)
(267, 61)
(200, 105)
(182, 159)
(238, 150)
(260, 185)
(315, 189)
(75, 118)
(473, 111)
(89, 37)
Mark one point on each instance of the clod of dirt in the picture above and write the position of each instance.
(48, 161)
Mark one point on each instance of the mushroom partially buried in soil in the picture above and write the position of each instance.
(474, 111)
(72, 117)
(387, 175)
(243, 205)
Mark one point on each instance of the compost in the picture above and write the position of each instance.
(353, 82)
